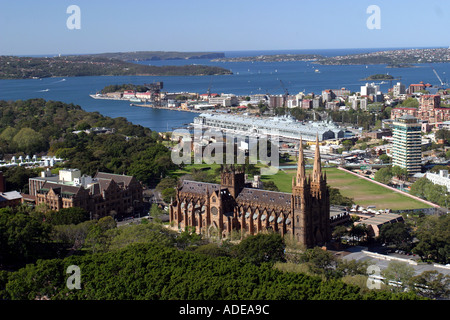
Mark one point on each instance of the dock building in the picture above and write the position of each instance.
(285, 127)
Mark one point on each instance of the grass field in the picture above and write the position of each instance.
(362, 191)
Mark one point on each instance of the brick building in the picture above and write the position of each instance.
(429, 110)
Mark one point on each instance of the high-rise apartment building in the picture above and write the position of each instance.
(406, 151)
(369, 88)
(399, 89)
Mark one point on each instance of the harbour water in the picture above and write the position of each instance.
(247, 78)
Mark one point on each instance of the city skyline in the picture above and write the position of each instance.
(31, 28)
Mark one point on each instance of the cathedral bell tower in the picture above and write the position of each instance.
(310, 203)
(301, 200)
(321, 230)
(233, 179)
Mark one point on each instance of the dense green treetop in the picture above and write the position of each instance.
(37, 126)
(154, 272)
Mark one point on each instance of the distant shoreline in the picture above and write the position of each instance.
(166, 108)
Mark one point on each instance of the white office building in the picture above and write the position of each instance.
(440, 178)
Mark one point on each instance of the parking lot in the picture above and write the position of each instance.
(360, 254)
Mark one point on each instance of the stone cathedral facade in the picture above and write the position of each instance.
(232, 205)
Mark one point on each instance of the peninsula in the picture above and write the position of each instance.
(402, 58)
(158, 55)
(272, 58)
(12, 67)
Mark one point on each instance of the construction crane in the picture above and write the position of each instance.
(286, 93)
(209, 89)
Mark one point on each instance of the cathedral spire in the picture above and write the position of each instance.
(317, 169)
(301, 175)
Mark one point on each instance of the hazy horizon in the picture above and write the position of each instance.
(47, 27)
(372, 49)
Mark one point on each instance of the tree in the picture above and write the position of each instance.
(167, 187)
(424, 188)
(8, 134)
(384, 175)
(432, 284)
(270, 185)
(398, 275)
(347, 144)
(385, 158)
(339, 232)
(410, 103)
(97, 237)
(439, 167)
(16, 178)
(319, 261)
(399, 172)
(434, 239)
(156, 211)
(168, 194)
(23, 238)
(151, 271)
(261, 248)
(29, 141)
(188, 238)
(71, 235)
(74, 215)
(141, 233)
(202, 176)
(396, 233)
(167, 182)
(358, 231)
(442, 134)
(336, 198)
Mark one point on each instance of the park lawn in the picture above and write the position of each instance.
(362, 191)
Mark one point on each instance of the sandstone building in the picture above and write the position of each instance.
(104, 194)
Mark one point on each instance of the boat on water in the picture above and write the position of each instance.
(135, 100)
(317, 71)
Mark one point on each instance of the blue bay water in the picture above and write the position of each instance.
(247, 78)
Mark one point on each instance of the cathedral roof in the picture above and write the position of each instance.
(265, 197)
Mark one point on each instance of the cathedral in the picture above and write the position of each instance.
(233, 205)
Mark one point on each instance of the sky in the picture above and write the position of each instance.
(39, 27)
